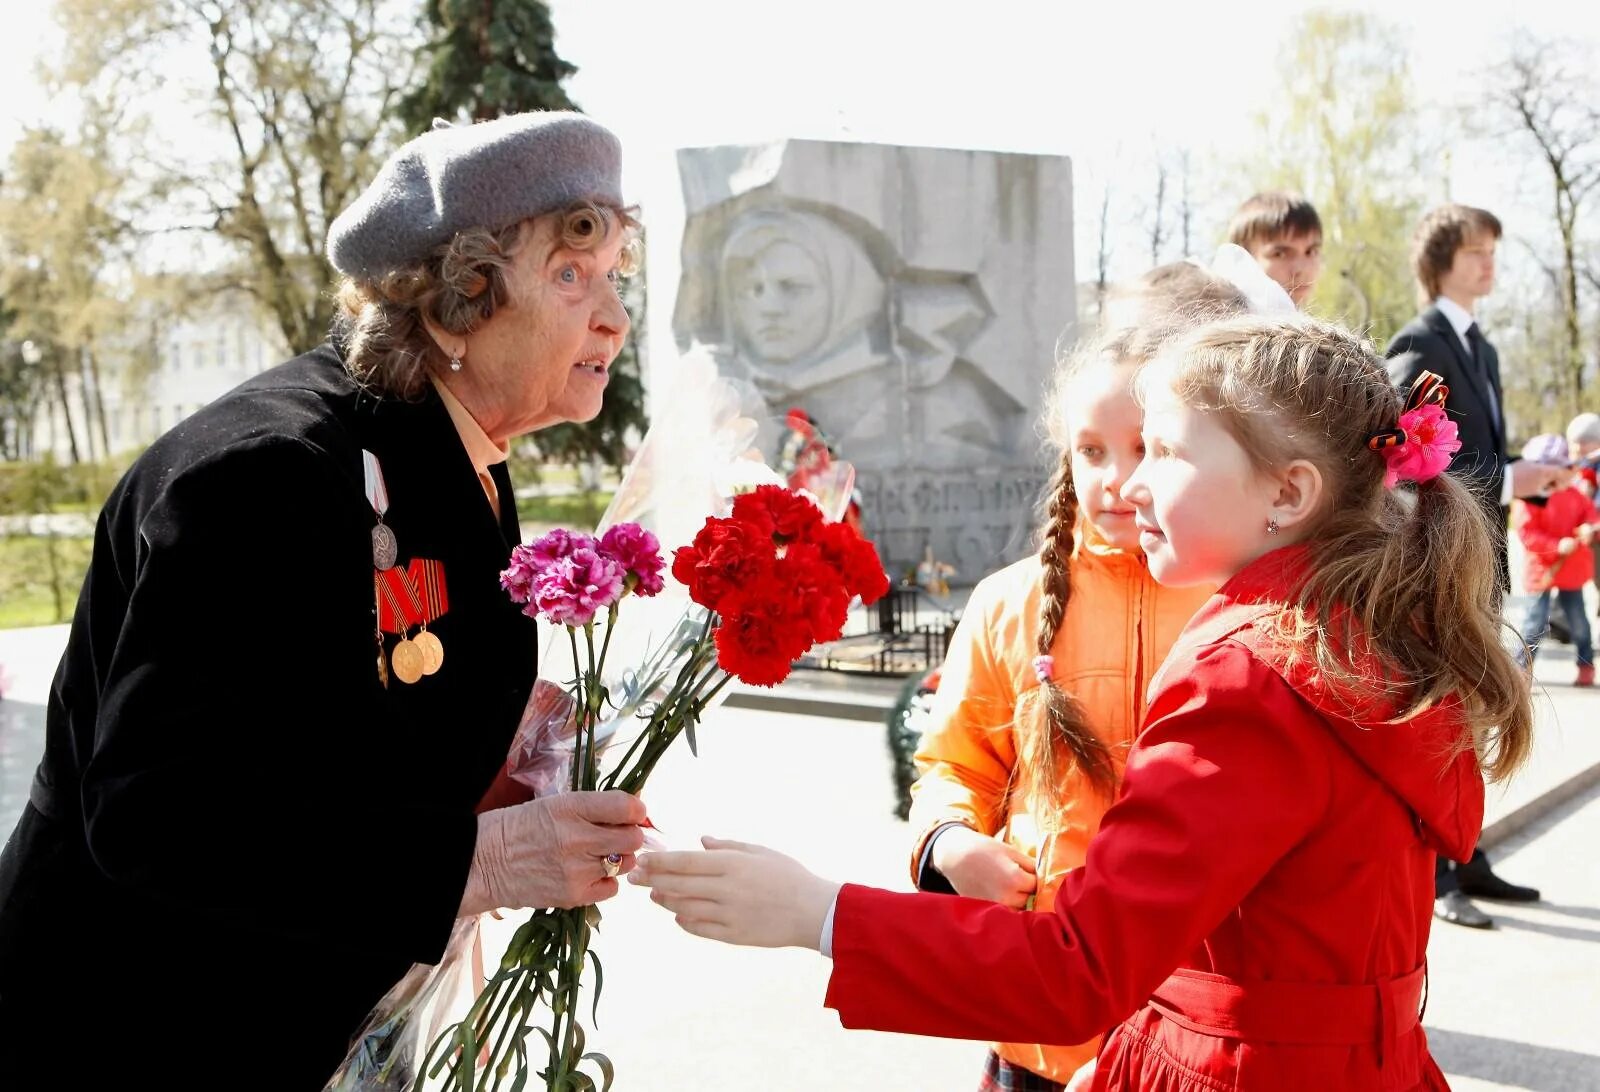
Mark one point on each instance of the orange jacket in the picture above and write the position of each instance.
(1119, 626)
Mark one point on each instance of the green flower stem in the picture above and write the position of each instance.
(578, 951)
(701, 703)
(511, 996)
(577, 676)
(591, 708)
(559, 1013)
(605, 645)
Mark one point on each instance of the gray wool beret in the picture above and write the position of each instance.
(487, 175)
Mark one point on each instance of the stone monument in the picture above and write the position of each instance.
(910, 301)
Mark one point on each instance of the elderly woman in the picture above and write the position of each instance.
(293, 675)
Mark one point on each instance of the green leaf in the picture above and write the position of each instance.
(581, 1082)
(591, 916)
(606, 1068)
(688, 733)
(599, 984)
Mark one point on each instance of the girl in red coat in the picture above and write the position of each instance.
(1555, 532)
(1254, 912)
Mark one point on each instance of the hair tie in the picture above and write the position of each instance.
(1043, 666)
(1419, 447)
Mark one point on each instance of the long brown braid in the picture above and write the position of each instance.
(1068, 740)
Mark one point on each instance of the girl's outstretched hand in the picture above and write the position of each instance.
(739, 894)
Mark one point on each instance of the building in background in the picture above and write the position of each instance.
(150, 383)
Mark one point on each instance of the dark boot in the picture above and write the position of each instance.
(1475, 878)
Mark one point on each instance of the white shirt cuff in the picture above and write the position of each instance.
(1505, 489)
(825, 943)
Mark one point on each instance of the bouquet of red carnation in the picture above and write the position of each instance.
(768, 582)
(780, 577)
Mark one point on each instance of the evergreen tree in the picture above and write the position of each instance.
(489, 57)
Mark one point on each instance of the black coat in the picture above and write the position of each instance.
(238, 839)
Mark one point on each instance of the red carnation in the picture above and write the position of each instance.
(785, 514)
(855, 558)
(815, 590)
(761, 645)
(727, 563)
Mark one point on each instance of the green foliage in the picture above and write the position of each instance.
(576, 511)
(301, 97)
(1344, 132)
(39, 578)
(489, 58)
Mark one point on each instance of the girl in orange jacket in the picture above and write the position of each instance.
(1043, 686)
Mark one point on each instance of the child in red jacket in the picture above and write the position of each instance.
(1254, 912)
(1556, 532)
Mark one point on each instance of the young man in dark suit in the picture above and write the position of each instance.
(1453, 254)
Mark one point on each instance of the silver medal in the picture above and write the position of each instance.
(384, 547)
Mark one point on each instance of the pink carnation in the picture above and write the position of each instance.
(517, 580)
(1430, 442)
(639, 553)
(576, 587)
(552, 546)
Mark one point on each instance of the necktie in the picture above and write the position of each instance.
(1475, 340)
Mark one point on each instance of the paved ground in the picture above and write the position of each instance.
(1517, 1008)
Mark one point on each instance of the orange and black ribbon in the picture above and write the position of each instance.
(399, 607)
(1428, 389)
(428, 578)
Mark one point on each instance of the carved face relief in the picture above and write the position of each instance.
(779, 298)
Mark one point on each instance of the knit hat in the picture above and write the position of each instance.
(1547, 449)
(487, 175)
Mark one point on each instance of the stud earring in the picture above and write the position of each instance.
(1272, 526)
(455, 363)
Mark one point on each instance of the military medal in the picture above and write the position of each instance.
(432, 651)
(384, 547)
(428, 578)
(399, 608)
(407, 661)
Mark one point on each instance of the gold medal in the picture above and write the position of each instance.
(407, 661)
(383, 669)
(432, 651)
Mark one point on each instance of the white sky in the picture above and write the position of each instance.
(1105, 81)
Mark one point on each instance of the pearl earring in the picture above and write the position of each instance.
(455, 363)
(1272, 526)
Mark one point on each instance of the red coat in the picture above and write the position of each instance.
(1541, 527)
(1254, 911)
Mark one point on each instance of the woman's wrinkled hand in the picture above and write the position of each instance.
(982, 867)
(552, 852)
(739, 894)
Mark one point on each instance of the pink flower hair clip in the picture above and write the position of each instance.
(1419, 448)
(1043, 667)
